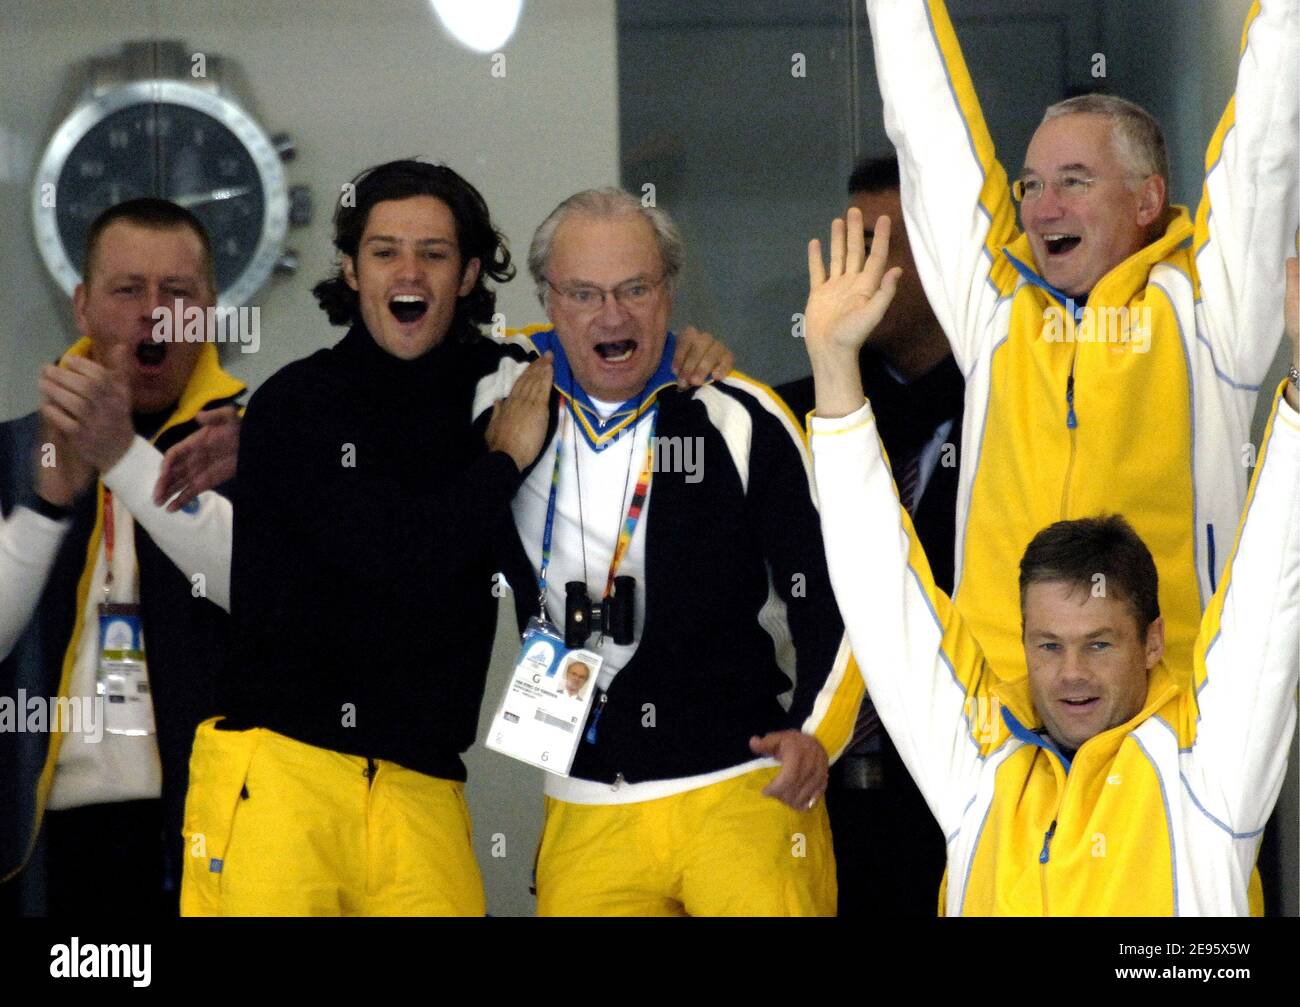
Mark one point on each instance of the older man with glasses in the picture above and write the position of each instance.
(1113, 345)
(695, 784)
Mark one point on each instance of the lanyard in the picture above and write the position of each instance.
(629, 523)
(110, 534)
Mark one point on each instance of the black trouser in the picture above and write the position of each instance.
(103, 859)
(889, 851)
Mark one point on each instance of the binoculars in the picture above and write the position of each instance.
(612, 617)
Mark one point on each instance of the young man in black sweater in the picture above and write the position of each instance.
(361, 581)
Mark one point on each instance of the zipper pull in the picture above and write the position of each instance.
(618, 781)
(1045, 855)
(590, 736)
(1071, 421)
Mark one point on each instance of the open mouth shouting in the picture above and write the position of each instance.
(408, 309)
(1060, 244)
(616, 351)
(150, 354)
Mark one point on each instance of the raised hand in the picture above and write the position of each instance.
(519, 421)
(203, 460)
(846, 301)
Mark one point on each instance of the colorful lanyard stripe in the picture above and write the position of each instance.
(634, 509)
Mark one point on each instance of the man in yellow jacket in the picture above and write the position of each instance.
(1111, 781)
(1112, 345)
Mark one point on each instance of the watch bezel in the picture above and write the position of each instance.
(225, 110)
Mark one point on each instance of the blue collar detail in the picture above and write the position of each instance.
(600, 433)
(1032, 738)
(1074, 305)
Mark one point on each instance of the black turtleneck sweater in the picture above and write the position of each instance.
(361, 588)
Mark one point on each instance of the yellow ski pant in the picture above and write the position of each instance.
(720, 850)
(276, 827)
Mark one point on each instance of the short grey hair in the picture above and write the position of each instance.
(1139, 140)
(606, 203)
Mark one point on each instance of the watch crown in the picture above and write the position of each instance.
(284, 146)
(299, 205)
(287, 264)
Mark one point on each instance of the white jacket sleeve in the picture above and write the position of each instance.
(923, 669)
(1248, 653)
(1248, 214)
(197, 539)
(28, 545)
(956, 200)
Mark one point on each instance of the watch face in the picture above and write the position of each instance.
(178, 142)
(173, 152)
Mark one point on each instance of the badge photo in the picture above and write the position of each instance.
(542, 714)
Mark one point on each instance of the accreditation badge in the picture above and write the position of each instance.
(542, 714)
(123, 677)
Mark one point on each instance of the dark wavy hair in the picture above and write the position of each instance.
(475, 233)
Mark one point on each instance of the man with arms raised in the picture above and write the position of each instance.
(1112, 345)
(1108, 781)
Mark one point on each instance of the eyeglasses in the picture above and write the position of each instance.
(1026, 190)
(629, 294)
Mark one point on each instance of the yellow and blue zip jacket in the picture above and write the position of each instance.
(1057, 426)
(1159, 816)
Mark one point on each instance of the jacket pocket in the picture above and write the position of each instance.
(1210, 556)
